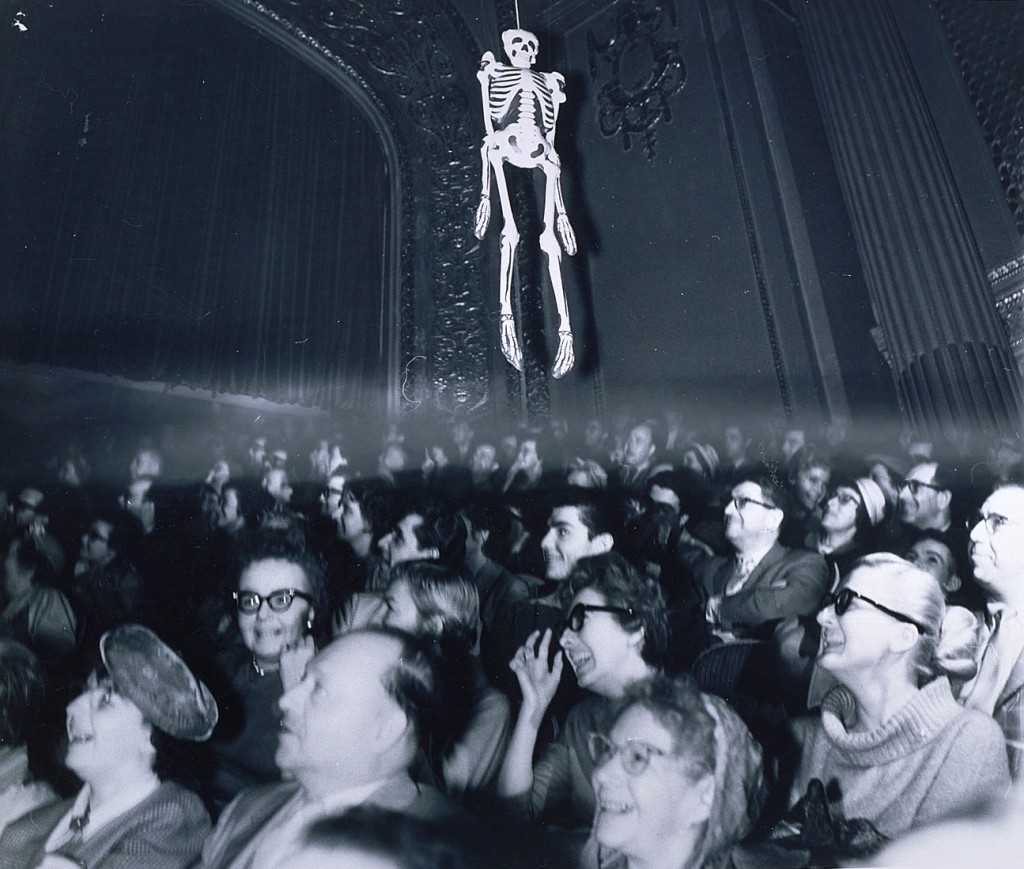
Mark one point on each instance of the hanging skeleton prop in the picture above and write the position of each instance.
(520, 112)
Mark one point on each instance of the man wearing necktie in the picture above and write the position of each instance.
(764, 582)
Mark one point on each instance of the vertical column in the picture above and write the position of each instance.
(950, 354)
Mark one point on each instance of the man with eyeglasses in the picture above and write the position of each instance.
(764, 582)
(997, 554)
(925, 498)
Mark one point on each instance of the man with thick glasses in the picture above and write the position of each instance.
(764, 582)
(997, 555)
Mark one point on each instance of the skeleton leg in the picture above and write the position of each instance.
(509, 242)
(483, 210)
(565, 358)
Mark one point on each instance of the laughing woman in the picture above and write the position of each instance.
(121, 732)
(616, 635)
(677, 777)
(891, 746)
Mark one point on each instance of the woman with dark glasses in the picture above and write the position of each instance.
(276, 602)
(891, 746)
(677, 778)
(615, 634)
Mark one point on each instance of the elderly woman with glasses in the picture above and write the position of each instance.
(677, 778)
(276, 600)
(615, 635)
(891, 747)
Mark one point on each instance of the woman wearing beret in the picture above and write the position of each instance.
(121, 729)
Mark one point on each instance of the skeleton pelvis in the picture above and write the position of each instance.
(524, 147)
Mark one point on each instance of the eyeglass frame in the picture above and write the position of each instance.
(261, 599)
(577, 615)
(598, 743)
(977, 518)
(741, 501)
(915, 485)
(837, 598)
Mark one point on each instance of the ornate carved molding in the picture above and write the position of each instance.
(412, 64)
(640, 69)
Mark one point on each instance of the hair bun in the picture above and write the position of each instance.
(959, 640)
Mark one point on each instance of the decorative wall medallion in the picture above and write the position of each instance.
(639, 70)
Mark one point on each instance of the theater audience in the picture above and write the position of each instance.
(123, 735)
(891, 750)
(677, 778)
(407, 726)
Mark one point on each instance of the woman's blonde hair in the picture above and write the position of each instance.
(950, 636)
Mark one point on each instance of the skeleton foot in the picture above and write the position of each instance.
(509, 344)
(566, 234)
(483, 216)
(565, 358)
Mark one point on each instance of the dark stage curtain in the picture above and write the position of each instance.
(183, 201)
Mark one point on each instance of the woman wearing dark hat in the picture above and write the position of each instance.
(119, 730)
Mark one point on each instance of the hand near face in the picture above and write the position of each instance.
(537, 681)
(294, 658)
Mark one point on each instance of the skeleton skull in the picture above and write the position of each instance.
(521, 47)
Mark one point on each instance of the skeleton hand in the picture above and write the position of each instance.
(565, 358)
(483, 216)
(509, 344)
(564, 232)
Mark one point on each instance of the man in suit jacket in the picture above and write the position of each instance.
(764, 583)
(350, 732)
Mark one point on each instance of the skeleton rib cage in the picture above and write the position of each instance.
(530, 88)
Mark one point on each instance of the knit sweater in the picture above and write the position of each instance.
(931, 760)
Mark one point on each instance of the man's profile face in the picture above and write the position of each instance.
(921, 503)
(747, 518)
(997, 541)
(330, 718)
(566, 542)
(402, 544)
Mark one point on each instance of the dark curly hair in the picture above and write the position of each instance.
(622, 585)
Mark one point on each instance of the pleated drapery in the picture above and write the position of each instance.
(185, 202)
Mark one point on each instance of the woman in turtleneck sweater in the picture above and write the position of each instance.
(890, 734)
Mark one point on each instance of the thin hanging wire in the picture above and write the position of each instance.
(518, 25)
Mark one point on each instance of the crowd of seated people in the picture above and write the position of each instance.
(643, 645)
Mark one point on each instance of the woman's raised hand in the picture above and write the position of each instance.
(537, 680)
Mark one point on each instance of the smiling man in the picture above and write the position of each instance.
(350, 732)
